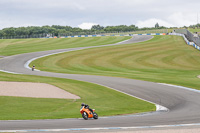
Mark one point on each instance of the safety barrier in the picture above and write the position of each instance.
(107, 35)
(193, 37)
(186, 40)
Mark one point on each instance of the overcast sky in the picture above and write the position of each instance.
(85, 13)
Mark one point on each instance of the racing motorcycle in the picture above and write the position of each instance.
(86, 113)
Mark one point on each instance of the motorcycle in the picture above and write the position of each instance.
(86, 113)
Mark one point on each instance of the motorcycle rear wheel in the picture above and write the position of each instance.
(95, 116)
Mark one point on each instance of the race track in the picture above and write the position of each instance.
(183, 104)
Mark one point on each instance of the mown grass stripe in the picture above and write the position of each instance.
(165, 59)
(19, 46)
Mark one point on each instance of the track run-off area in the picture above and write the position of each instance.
(181, 104)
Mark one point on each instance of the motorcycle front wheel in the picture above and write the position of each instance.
(85, 116)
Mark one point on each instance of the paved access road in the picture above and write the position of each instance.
(183, 104)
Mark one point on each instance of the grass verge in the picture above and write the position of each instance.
(104, 100)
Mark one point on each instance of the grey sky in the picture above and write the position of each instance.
(84, 13)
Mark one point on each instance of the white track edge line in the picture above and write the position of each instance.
(182, 87)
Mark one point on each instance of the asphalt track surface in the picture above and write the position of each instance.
(183, 104)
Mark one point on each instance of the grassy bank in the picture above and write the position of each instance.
(19, 46)
(194, 30)
(165, 59)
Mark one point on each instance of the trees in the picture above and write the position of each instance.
(1, 33)
(57, 30)
(194, 26)
(121, 28)
(133, 28)
(157, 25)
(97, 27)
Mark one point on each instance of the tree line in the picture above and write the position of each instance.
(193, 26)
(57, 30)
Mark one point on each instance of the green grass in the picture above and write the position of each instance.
(105, 101)
(165, 59)
(19, 46)
(194, 30)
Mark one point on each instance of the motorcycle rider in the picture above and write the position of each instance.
(87, 107)
(33, 67)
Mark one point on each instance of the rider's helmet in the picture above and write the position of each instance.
(83, 104)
